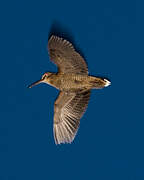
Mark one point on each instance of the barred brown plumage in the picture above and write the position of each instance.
(74, 84)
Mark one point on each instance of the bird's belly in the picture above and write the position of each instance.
(72, 85)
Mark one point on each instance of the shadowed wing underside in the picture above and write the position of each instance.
(63, 54)
(69, 108)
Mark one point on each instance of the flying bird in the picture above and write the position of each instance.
(75, 85)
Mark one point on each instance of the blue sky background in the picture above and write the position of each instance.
(109, 143)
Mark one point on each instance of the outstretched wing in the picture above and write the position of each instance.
(69, 108)
(63, 54)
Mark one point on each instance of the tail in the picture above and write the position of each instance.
(107, 82)
(99, 83)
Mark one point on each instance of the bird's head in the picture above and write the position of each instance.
(44, 79)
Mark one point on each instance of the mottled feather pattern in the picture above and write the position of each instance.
(68, 117)
(73, 82)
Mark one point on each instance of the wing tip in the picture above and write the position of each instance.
(62, 136)
(60, 41)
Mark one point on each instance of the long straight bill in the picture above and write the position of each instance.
(35, 83)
